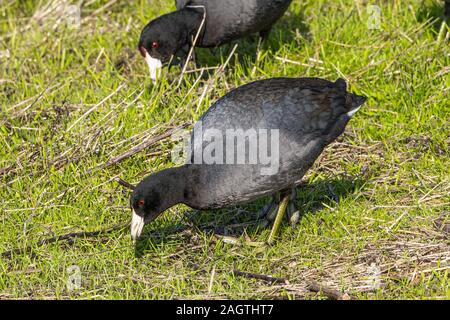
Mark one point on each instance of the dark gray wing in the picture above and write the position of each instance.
(298, 108)
(307, 114)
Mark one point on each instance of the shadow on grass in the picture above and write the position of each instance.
(244, 219)
(436, 12)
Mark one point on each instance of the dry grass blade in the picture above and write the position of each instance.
(147, 143)
(327, 291)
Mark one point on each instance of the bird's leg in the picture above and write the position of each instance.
(292, 211)
(263, 213)
(183, 62)
(276, 209)
(269, 211)
(293, 214)
(279, 217)
(188, 55)
(447, 9)
(264, 34)
(184, 56)
(194, 58)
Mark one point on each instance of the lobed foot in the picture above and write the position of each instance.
(275, 210)
(292, 212)
(286, 205)
(269, 211)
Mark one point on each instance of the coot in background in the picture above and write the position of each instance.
(308, 114)
(172, 34)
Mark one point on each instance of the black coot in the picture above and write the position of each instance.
(257, 140)
(225, 20)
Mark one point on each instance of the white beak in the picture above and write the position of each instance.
(154, 66)
(352, 112)
(137, 224)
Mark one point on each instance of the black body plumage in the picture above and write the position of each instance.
(308, 114)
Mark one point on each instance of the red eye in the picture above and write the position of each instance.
(155, 44)
(141, 202)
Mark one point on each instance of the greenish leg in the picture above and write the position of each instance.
(269, 211)
(292, 212)
(276, 225)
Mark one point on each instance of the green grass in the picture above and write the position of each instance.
(390, 170)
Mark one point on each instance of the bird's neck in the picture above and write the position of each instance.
(172, 184)
(183, 183)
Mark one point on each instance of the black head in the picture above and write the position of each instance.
(153, 195)
(167, 37)
(161, 38)
(145, 202)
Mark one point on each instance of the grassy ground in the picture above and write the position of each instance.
(375, 208)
